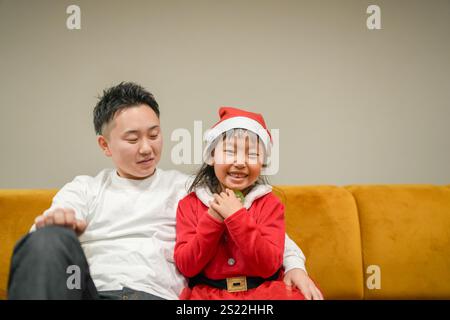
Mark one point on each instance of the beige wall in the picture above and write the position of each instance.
(352, 105)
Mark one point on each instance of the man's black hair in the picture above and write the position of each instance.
(121, 96)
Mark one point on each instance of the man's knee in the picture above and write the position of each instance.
(39, 266)
(47, 240)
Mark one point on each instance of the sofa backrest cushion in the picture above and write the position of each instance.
(18, 209)
(405, 233)
(323, 221)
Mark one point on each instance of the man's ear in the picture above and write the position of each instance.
(103, 143)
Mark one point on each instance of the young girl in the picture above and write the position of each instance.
(230, 229)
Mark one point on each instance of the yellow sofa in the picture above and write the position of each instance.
(361, 241)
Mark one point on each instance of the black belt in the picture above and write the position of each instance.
(232, 284)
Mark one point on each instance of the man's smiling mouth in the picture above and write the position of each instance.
(146, 160)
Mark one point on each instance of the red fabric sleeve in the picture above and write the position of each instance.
(198, 236)
(261, 241)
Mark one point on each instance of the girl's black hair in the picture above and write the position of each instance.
(205, 177)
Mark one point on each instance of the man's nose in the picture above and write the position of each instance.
(145, 147)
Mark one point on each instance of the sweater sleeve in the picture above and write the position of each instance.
(293, 256)
(197, 240)
(261, 242)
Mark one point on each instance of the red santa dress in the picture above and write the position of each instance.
(248, 243)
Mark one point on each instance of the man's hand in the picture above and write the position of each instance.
(298, 278)
(61, 217)
(226, 203)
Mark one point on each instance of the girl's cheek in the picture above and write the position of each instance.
(220, 171)
(256, 170)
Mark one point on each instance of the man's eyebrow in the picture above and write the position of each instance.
(153, 127)
(137, 131)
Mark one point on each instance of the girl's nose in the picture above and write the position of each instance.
(239, 165)
(239, 161)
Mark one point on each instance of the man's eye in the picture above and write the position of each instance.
(132, 140)
(154, 136)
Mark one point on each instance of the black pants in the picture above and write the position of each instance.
(50, 264)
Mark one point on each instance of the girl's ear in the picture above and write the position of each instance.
(210, 158)
(103, 143)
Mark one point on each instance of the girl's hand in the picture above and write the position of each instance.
(226, 203)
(213, 213)
(298, 278)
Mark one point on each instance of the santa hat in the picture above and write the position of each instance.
(233, 118)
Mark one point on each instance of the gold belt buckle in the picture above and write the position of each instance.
(237, 284)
